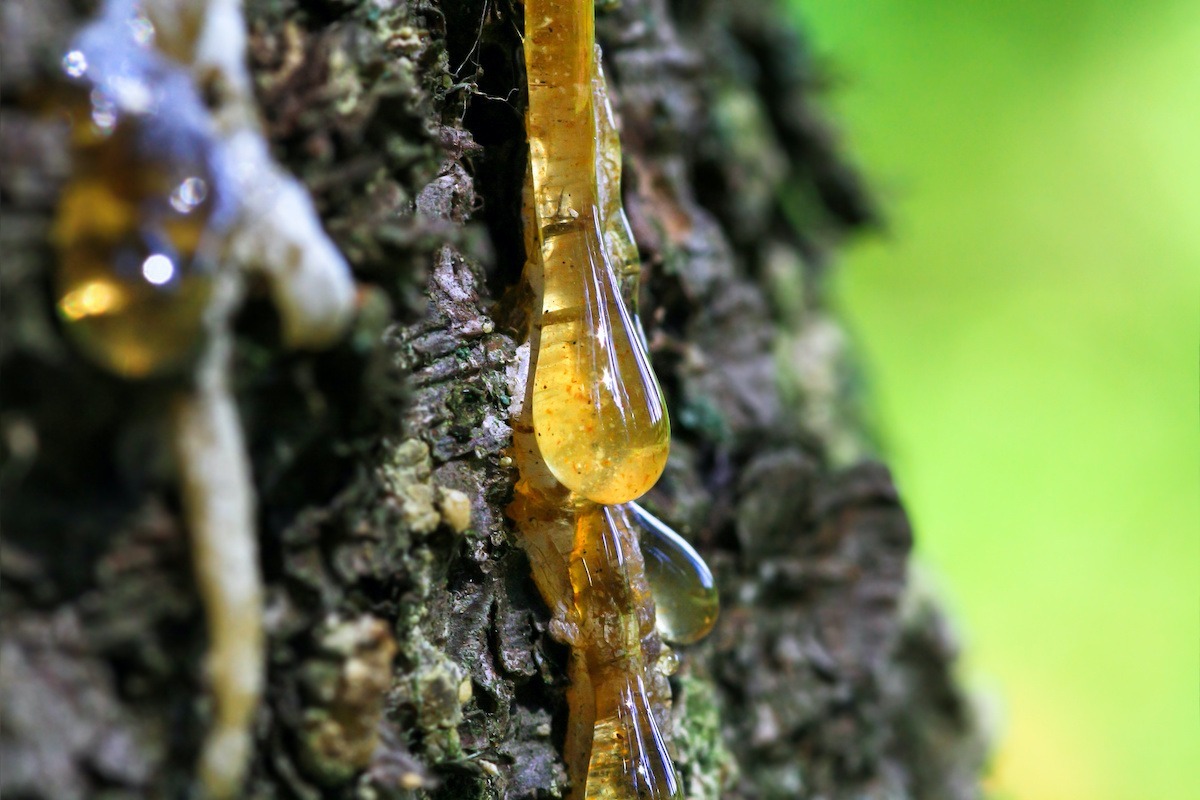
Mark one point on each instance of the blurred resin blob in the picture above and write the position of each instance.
(138, 224)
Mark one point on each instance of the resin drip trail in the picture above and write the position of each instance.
(591, 431)
(628, 757)
(597, 411)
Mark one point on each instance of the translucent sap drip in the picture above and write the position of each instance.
(628, 756)
(131, 289)
(598, 414)
(595, 429)
(618, 236)
(685, 595)
(559, 62)
(134, 223)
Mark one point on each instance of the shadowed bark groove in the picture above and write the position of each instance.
(408, 654)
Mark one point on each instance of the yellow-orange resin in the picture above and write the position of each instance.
(628, 757)
(130, 288)
(592, 432)
(597, 410)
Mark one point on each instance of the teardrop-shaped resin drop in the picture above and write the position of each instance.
(136, 224)
(598, 412)
(685, 595)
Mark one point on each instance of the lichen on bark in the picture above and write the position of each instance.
(408, 654)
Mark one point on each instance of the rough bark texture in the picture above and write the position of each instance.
(405, 659)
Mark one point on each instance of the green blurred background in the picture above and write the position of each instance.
(1030, 323)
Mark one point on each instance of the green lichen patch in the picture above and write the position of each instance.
(346, 686)
(706, 765)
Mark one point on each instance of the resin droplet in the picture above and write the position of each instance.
(129, 285)
(597, 410)
(134, 223)
(685, 595)
(598, 414)
(628, 756)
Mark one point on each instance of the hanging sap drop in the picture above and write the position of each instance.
(131, 288)
(598, 413)
(685, 595)
(136, 226)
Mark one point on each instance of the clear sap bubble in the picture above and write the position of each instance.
(189, 194)
(75, 63)
(685, 594)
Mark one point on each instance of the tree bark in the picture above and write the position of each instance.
(408, 656)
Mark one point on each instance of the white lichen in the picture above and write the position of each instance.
(279, 233)
(218, 501)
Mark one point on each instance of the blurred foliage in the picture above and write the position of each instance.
(1030, 322)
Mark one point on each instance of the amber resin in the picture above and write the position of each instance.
(590, 433)
(123, 271)
(628, 756)
(597, 410)
(685, 594)
(138, 221)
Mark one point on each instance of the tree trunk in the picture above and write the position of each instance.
(408, 656)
